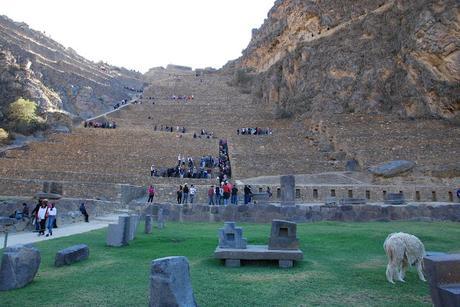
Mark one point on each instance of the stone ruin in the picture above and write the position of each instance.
(283, 235)
(71, 255)
(170, 283)
(395, 199)
(283, 245)
(51, 190)
(124, 231)
(231, 236)
(19, 266)
(443, 273)
(148, 224)
(287, 190)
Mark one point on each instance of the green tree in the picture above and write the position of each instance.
(3, 136)
(23, 116)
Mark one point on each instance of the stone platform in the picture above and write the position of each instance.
(233, 257)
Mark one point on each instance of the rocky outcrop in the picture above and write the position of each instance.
(57, 77)
(398, 57)
(20, 81)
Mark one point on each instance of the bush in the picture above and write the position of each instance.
(4, 136)
(23, 116)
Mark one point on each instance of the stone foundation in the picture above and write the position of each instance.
(312, 212)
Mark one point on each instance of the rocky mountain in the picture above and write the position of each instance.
(365, 56)
(36, 67)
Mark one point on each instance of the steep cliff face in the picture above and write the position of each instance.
(20, 81)
(79, 86)
(351, 56)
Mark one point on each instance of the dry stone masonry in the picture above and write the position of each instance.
(19, 265)
(231, 236)
(170, 283)
(443, 272)
(71, 255)
(283, 246)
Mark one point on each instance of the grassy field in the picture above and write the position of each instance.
(344, 264)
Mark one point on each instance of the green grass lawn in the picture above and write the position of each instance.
(344, 264)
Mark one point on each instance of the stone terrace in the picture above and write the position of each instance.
(110, 157)
(432, 144)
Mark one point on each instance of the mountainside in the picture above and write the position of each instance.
(348, 56)
(57, 78)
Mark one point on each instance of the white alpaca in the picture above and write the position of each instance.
(403, 250)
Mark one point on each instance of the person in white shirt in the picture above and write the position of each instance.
(41, 216)
(192, 193)
(51, 218)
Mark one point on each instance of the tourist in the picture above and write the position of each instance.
(152, 170)
(211, 196)
(192, 193)
(84, 212)
(217, 194)
(51, 219)
(41, 216)
(247, 194)
(185, 194)
(34, 214)
(226, 192)
(25, 210)
(269, 192)
(234, 199)
(179, 195)
(151, 193)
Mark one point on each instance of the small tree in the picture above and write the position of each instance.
(3, 136)
(23, 116)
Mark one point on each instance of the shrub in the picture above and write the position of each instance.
(4, 136)
(23, 116)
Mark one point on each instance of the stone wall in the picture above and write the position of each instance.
(311, 213)
(94, 207)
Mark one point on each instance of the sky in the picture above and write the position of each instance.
(141, 34)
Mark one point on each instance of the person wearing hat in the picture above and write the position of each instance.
(185, 194)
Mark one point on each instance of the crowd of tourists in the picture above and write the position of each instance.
(184, 194)
(220, 195)
(181, 97)
(170, 128)
(43, 216)
(107, 125)
(204, 134)
(187, 168)
(119, 104)
(225, 170)
(254, 131)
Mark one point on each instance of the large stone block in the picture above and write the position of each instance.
(161, 219)
(392, 168)
(443, 273)
(395, 199)
(71, 255)
(19, 265)
(118, 234)
(287, 190)
(283, 235)
(170, 283)
(231, 236)
(148, 224)
(132, 229)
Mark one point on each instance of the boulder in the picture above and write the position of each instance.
(19, 265)
(352, 165)
(392, 168)
(71, 255)
(170, 283)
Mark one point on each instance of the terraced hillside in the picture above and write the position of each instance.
(93, 162)
(85, 88)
